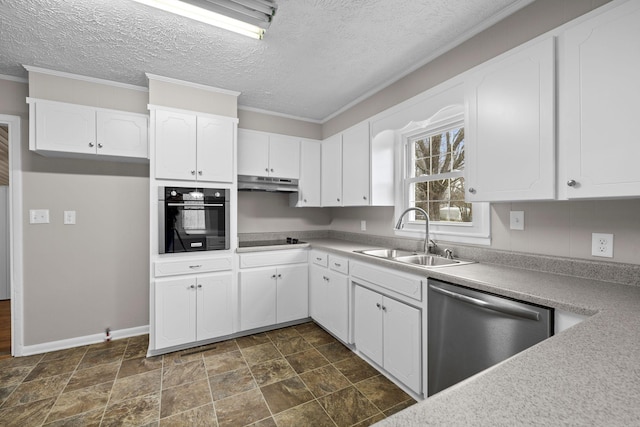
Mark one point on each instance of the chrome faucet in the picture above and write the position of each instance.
(427, 241)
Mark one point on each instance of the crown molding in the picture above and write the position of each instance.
(13, 78)
(273, 113)
(191, 84)
(31, 68)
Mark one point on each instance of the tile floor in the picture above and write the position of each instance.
(296, 376)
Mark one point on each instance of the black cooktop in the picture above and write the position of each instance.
(278, 242)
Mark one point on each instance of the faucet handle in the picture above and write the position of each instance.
(448, 253)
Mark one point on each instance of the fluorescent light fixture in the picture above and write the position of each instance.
(246, 17)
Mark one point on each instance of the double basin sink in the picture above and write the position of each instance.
(413, 258)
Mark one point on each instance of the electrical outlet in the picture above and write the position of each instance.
(69, 217)
(38, 216)
(516, 220)
(363, 225)
(602, 245)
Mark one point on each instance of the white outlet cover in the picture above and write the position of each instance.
(602, 245)
(516, 220)
(363, 225)
(69, 217)
(39, 216)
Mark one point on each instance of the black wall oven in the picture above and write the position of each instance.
(193, 219)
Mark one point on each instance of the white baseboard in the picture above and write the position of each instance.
(28, 350)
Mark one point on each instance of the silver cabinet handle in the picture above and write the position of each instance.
(338, 199)
(266, 169)
(279, 276)
(271, 169)
(193, 172)
(191, 287)
(384, 308)
(199, 286)
(304, 200)
(318, 258)
(378, 305)
(200, 173)
(195, 266)
(472, 190)
(337, 265)
(571, 183)
(91, 144)
(273, 276)
(99, 145)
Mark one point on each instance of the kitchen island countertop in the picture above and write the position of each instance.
(586, 375)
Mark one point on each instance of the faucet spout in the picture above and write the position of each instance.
(426, 225)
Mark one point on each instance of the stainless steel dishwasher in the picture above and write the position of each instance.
(469, 331)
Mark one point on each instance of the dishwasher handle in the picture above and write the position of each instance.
(506, 309)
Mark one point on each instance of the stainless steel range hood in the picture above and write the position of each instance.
(260, 183)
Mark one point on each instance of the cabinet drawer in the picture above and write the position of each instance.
(172, 268)
(320, 258)
(410, 286)
(267, 258)
(339, 264)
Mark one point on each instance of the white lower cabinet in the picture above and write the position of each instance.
(330, 300)
(269, 296)
(388, 332)
(190, 309)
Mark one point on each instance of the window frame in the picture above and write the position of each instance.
(476, 232)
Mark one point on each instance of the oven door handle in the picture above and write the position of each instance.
(196, 205)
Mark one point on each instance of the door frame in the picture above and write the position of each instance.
(14, 124)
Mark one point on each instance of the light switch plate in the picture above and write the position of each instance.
(69, 217)
(38, 216)
(363, 225)
(516, 220)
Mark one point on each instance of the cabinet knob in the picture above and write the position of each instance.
(273, 276)
(304, 200)
(279, 276)
(266, 169)
(193, 172)
(99, 145)
(191, 287)
(472, 190)
(571, 183)
(364, 197)
(384, 308)
(91, 144)
(338, 199)
(378, 305)
(199, 286)
(200, 173)
(271, 169)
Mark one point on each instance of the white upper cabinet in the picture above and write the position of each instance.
(599, 89)
(331, 188)
(309, 184)
(69, 130)
(191, 146)
(356, 170)
(268, 155)
(356, 165)
(510, 126)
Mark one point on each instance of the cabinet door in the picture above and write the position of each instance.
(402, 343)
(253, 153)
(214, 306)
(122, 134)
(284, 157)
(368, 323)
(318, 294)
(599, 104)
(175, 145)
(309, 194)
(215, 149)
(292, 295)
(175, 312)
(510, 138)
(331, 187)
(337, 305)
(257, 298)
(65, 128)
(355, 165)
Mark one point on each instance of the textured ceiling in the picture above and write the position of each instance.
(317, 57)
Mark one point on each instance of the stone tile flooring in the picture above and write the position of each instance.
(296, 376)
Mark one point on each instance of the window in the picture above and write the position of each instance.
(433, 161)
(436, 181)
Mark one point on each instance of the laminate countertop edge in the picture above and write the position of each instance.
(586, 375)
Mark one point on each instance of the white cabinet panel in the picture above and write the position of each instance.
(214, 149)
(331, 188)
(309, 185)
(368, 323)
(402, 343)
(214, 306)
(65, 128)
(356, 164)
(330, 300)
(292, 295)
(257, 298)
(175, 145)
(284, 157)
(510, 139)
(175, 312)
(599, 90)
(253, 153)
(121, 134)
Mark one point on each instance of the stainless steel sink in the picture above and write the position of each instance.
(413, 258)
(386, 253)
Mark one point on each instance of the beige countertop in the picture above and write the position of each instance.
(587, 375)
